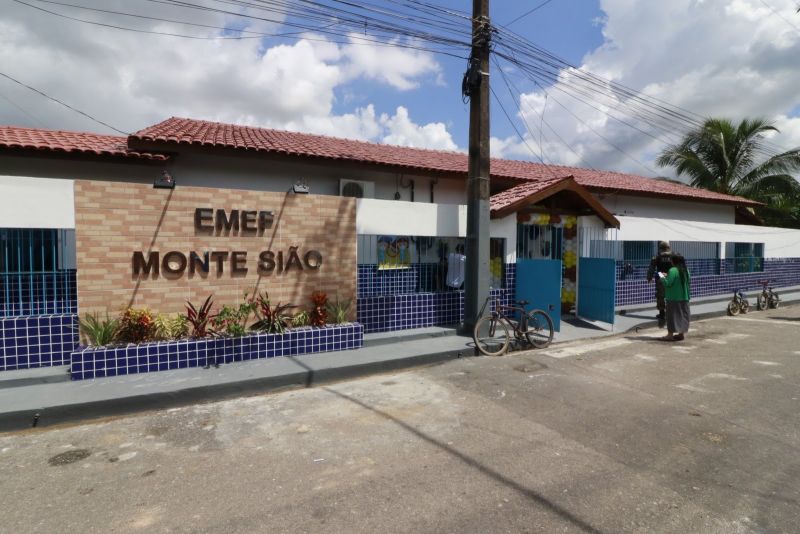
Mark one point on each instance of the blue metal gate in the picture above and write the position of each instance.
(539, 282)
(596, 288)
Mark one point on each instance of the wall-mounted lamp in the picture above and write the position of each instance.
(300, 187)
(165, 181)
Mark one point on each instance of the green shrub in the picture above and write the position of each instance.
(301, 318)
(98, 332)
(232, 321)
(136, 325)
(171, 327)
(338, 312)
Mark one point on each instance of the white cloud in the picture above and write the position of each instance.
(132, 80)
(402, 131)
(718, 58)
(399, 67)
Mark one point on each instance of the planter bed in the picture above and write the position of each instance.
(96, 362)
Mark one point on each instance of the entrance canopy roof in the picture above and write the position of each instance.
(562, 195)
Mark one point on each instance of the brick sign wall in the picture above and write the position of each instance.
(157, 248)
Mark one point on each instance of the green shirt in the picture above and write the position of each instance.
(674, 288)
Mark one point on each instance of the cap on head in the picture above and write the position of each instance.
(664, 246)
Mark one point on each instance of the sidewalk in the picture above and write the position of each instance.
(49, 393)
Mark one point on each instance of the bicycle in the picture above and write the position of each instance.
(491, 333)
(738, 304)
(767, 298)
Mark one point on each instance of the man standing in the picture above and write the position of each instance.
(660, 263)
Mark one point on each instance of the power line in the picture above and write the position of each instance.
(366, 41)
(95, 23)
(519, 134)
(508, 85)
(549, 68)
(529, 12)
(424, 26)
(22, 110)
(98, 121)
(134, 15)
(587, 125)
(784, 19)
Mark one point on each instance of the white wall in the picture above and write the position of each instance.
(661, 208)
(204, 170)
(778, 242)
(236, 172)
(27, 202)
(393, 217)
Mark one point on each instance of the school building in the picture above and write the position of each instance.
(186, 208)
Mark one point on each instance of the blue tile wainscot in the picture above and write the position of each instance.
(384, 307)
(783, 272)
(37, 341)
(97, 362)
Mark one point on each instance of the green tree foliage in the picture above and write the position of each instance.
(731, 158)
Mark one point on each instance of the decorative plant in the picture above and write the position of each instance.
(98, 332)
(171, 327)
(272, 319)
(232, 321)
(199, 317)
(338, 311)
(136, 325)
(319, 312)
(301, 318)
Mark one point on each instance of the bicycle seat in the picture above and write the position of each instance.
(523, 302)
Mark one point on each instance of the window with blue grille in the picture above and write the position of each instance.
(744, 257)
(37, 271)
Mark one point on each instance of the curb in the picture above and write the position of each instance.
(79, 412)
(701, 316)
(87, 411)
(388, 340)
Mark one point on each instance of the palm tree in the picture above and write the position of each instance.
(730, 158)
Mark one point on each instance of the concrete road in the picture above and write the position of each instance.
(627, 434)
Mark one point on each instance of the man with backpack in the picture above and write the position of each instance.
(660, 263)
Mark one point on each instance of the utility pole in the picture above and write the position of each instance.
(476, 87)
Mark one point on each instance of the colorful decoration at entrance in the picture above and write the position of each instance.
(570, 258)
(496, 270)
(570, 227)
(394, 252)
(540, 218)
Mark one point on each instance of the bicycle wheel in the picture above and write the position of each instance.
(762, 301)
(744, 306)
(540, 329)
(774, 301)
(491, 336)
(733, 308)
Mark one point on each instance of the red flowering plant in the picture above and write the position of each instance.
(136, 325)
(200, 317)
(319, 311)
(272, 319)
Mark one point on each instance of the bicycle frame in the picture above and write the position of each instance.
(499, 313)
(486, 331)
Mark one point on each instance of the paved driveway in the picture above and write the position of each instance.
(626, 434)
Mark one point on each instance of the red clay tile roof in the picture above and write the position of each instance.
(520, 192)
(622, 183)
(532, 192)
(179, 131)
(70, 142)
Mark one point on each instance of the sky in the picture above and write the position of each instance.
(721, 58)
